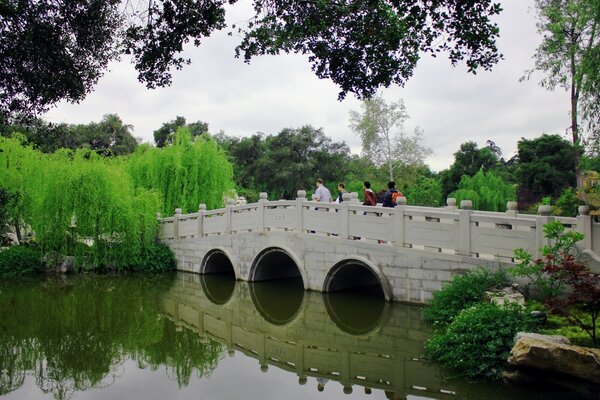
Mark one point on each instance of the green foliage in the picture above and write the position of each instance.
(19, 260)
(463, 292)
(487, 191)
(546, 167)
(561, 249)
(80, 204)
(568, 203)
(185, 174)
(468, 160)
(425, 192)
(478, 341)
(72, 334)
(569, 56)
(384, 139)
(156, 257)
(165, 135)
(287, 162)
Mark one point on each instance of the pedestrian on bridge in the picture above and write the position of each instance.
(322, 193)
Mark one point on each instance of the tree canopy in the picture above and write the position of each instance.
(58, 50)
(384, 140)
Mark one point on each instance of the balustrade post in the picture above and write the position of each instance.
(542, 219)
(399, 222)
(228, 215)
(344, 216)
(262, 200)
(201, 211)
(300, 199)
(451, 204)
(512, 209)
(176, 218)
(584, 225)
(464, 227)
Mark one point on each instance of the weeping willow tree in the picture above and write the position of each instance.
(19, 165)
(87, 207)
(486, 190)
(186, 173)
(81, 204)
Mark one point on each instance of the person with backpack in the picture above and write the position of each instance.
(392, 195)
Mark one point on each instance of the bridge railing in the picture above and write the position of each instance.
(451, 229)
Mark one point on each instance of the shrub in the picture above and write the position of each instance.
(478, 341)
(545, 274)
(19, 260)
(462, 292)
(156, 257)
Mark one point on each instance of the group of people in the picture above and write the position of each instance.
(322, 194)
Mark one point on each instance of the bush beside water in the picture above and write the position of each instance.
(463, 292)
(478, 341)
(19, 260)
(471, 337)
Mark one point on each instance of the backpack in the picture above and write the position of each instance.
(395, 197)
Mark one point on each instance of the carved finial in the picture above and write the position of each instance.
(301, 194)
(466, 204)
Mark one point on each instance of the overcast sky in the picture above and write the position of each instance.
(277, 92)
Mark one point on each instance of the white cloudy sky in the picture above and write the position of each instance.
(276, 92)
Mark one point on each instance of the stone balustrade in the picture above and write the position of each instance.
(409, 251)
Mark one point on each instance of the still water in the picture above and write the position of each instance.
(184, 336)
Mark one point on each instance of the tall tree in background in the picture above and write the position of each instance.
(468, 160)
(545, 168)
(384, 140)
(570, 57)
(166, 133)
(57, 50)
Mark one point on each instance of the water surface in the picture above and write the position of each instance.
(209, 337)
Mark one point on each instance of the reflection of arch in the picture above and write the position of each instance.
(278, 302)
(218, 288)
(275, 263)
(217, 261)
(357, 313)
(353, 274)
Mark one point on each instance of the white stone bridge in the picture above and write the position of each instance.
(407, 251)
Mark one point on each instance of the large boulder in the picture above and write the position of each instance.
(555, 354)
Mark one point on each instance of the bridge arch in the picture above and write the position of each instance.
(276, 263)
(355, 273)
(218, 261)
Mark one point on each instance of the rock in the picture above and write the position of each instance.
(554, 355)
(507, 295)
(67, 265)
(537, 336)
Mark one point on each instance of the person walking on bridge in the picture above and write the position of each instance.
(322, 193)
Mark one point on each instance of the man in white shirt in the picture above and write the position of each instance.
(322, 193)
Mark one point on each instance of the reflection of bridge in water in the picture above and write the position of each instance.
(354, 340)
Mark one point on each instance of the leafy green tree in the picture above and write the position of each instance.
(425, 192)
(58, 50)
(486, 190)
(166, 133)
(468, 160)
(570, 58)
(110, 136)
(545, 167)
(297, 157)
(284, 163)
(384, 140)
(185, 174)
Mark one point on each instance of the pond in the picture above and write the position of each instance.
(188, 336)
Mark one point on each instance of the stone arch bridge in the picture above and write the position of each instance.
(407, 251)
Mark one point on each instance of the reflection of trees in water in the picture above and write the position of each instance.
(73, 334)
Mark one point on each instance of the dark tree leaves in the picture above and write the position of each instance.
(53, 50)
(363, 45)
